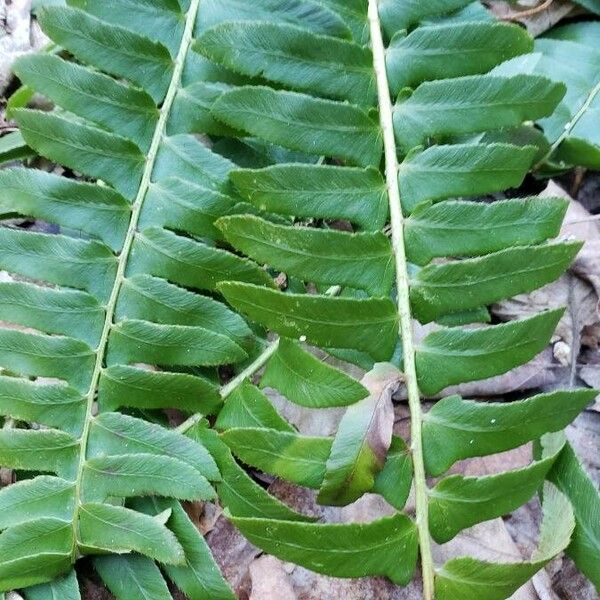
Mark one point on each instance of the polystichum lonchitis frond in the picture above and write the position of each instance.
(300, 94)
(333, 97)
(112, 291)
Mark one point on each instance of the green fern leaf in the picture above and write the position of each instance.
(132, 577)
(458, 502)
(353, 550)
(247, 406)
(470, 578)
(323, 192)
(362, 260)
(449, 428)
(570, 477)
(457, 355)
(169, 225)
(292, 56)
(456, 228)
(471, 105)
(237, 491)
(326, 127)
(442, 172)
(369, 325)
(429, 53)
(305, 380)
(66, 588)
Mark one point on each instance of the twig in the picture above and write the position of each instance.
(529, 12)
(586, 220)
(576, 332)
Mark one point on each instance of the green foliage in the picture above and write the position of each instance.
(570, 54)
(313, 191)
(325, 257)
(106, 294)
(570, 477)
(384, 547)
(472, 578)
(369, 325)
(573, 129)
(449, 428)
(13, 147)
(169, 245)
(428, 53)
(304, 379)
(65, 587)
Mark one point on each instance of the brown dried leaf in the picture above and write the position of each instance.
(308, 421)
(538, 16)
(571, 291)
(381, 382)
(579, 224)
(516, 458)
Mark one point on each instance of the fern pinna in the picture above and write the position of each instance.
(299, 93)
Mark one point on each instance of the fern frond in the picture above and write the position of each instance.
(114, 294)
(169, 241)
(450, 132)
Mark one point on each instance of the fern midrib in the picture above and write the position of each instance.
(136, 208)
(230, 387)
(386, 112)
(571, 125)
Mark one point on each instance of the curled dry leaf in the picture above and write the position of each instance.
(538, 16)
(308, 421)
(362, 440)
(580, 225)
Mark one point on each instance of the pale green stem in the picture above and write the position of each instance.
(397, 225)
(232, 385)
(571, 124)
(127, 245)
(250, 370)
